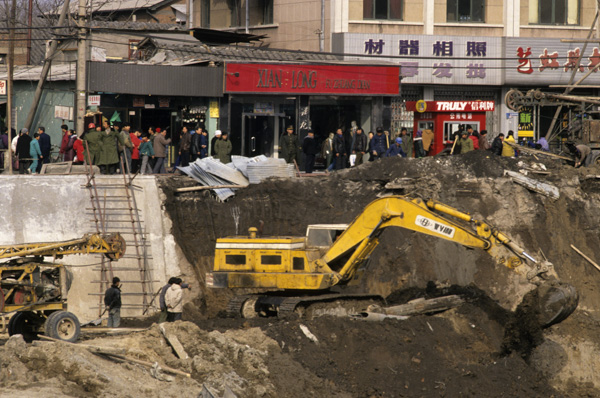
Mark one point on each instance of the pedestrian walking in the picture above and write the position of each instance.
(310, 149)
(160, 151)
(35, 153)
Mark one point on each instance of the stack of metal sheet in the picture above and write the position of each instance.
(269, 168)
(241, 162)
(242, 171)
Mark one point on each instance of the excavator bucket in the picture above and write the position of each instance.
(552, 302)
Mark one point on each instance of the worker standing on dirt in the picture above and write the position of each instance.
(483, 141)
(395, 149)
(497, 144)
(466, 144)
(581, 154)
(174, 301)
(378, 144)
(112, 301)
(407, 142)
(161, 299)
(507, 150)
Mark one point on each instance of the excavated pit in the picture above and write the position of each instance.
(482, 348)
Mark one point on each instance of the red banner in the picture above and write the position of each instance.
(450, 106)
(311, 79)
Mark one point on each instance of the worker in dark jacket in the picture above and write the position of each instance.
(112, 301)
(45, 147)
(339, 150)
(497, 144)
(23, 148)
(378, 144)
(310, 150)
(395, 149)
(360, 146)
(185, 145)
(195, 145)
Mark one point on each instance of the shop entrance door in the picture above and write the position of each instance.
(260, 134)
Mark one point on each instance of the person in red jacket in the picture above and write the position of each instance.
(135, 152)
(474, 136)
(65, 141)
(78, 148)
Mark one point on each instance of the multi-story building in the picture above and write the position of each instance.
(448, 50)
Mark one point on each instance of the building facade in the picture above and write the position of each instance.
(448, 50)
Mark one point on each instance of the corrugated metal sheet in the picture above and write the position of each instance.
(156, 79)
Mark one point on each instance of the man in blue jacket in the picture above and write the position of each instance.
(378, 144)
(395, 149)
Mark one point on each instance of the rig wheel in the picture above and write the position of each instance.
(63, 325)
(25, 324)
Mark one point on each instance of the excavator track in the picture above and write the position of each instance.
(234, 307)
(284, 307)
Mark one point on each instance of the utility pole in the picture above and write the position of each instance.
(9, 80)
(80, 84)
(45, 69)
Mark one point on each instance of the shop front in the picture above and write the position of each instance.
(444, 118)
(266, 98)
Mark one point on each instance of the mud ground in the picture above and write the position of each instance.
(461, 352)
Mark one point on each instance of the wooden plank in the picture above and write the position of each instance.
(534, 185)
(109, 352)
(586, 257)
(174, 343)
(536, 151)
(202, 188)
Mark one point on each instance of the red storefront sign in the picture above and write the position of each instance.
(311, 79)
(450, 106)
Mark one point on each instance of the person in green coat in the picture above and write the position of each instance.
(289, 145)
(223, 149)
(407, 142)
(466, 144)
(109, 155)
(91, 151)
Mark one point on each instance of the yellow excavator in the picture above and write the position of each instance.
(300, 271)
(35, 291)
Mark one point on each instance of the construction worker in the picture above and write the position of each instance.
(112, 301)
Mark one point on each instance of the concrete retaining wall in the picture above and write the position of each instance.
(56, 208)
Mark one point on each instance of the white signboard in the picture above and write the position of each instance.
(93, 100)
(2, 87)
(63, 112)
(429, 59)
(537, 61)
(435, 226)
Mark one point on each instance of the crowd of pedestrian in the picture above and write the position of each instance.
(112, 146)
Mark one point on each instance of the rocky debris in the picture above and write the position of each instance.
(477, 349)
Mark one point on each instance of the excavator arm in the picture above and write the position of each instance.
(429, 217)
